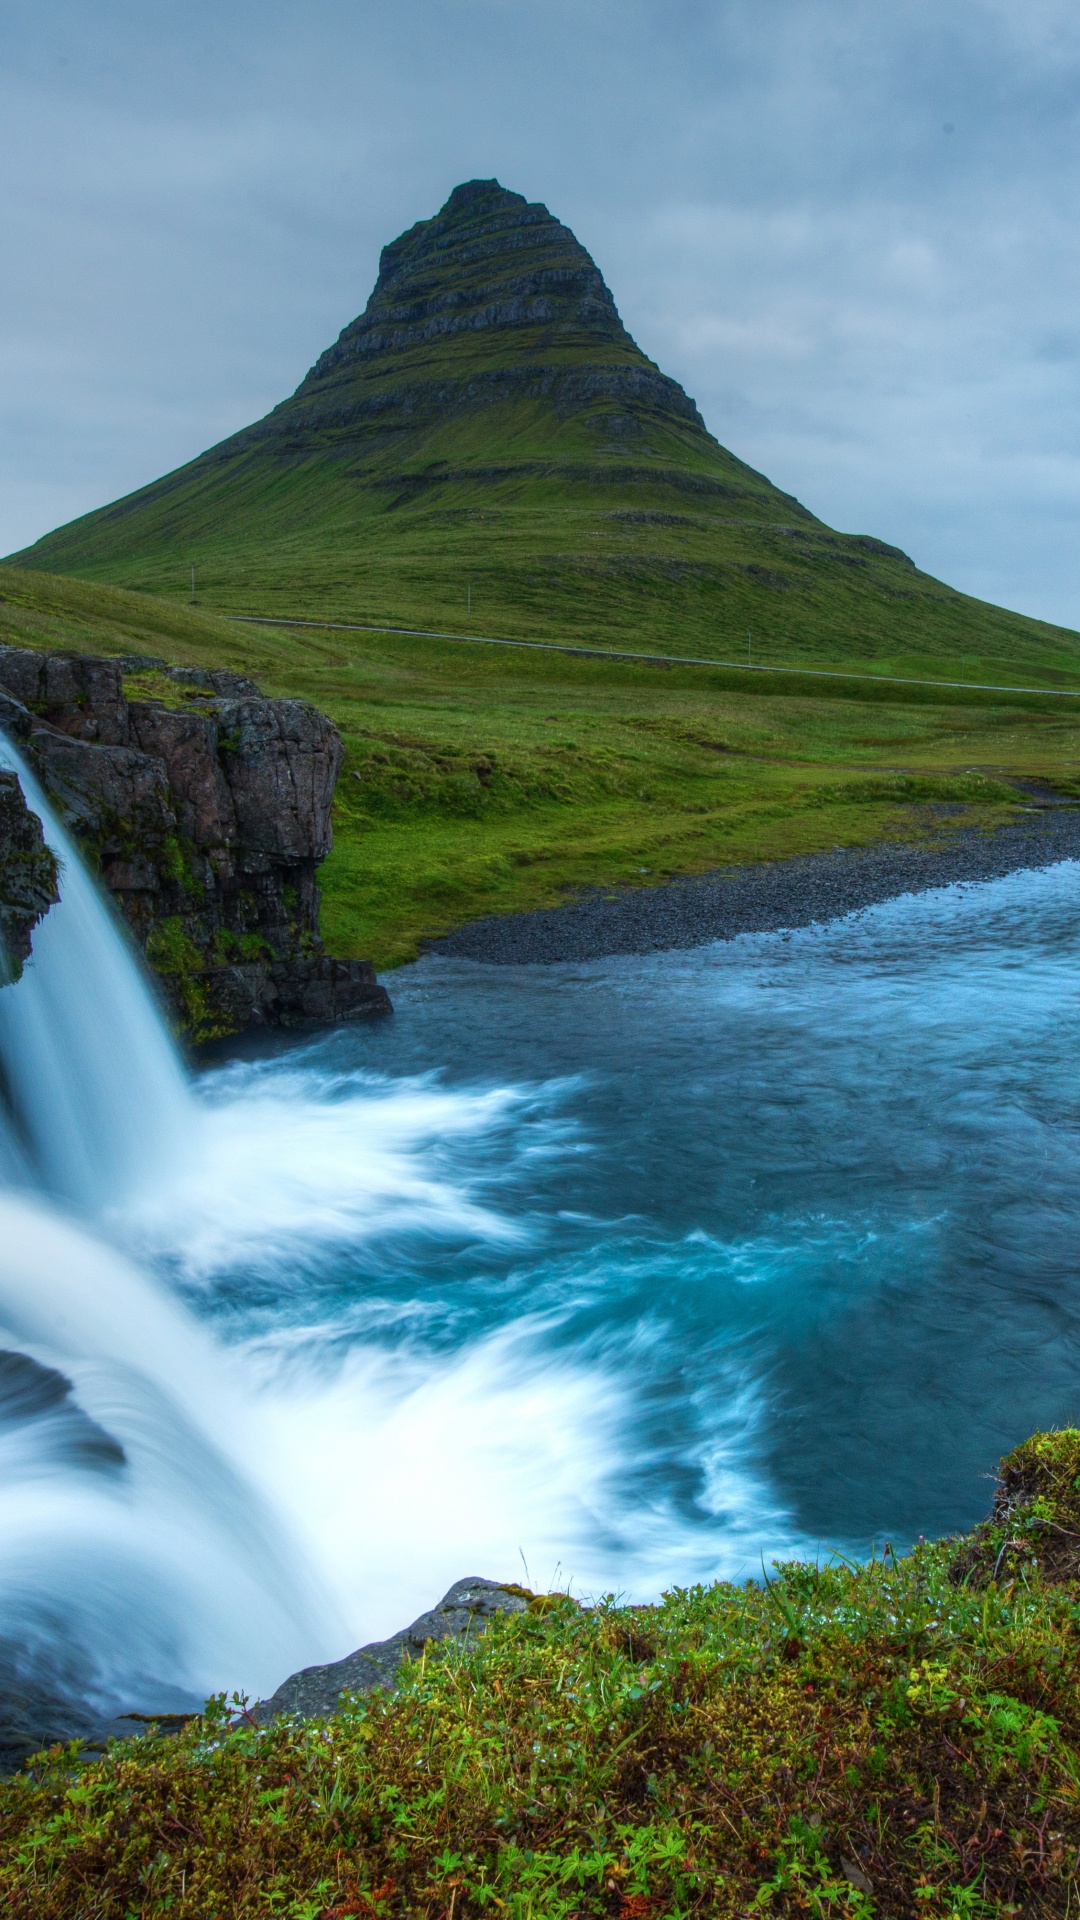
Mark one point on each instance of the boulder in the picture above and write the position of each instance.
(463, 1612)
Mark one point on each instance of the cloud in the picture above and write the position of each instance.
(876, 311)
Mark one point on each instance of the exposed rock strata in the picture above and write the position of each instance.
(206, 820)
(489, 263)
(27, 875)
(489, 259)
(465, 1611)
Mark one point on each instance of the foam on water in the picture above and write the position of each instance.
(639, 1272)
(290, 1161)
(683, 1263)
(138, 1551)
(127, 1515)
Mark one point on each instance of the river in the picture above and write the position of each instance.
(620, 1276)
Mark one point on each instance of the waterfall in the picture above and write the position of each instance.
(131, 1537)
(136, 1556)
(96, 1085)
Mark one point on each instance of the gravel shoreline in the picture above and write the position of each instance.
(761, 899)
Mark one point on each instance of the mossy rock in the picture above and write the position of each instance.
(1034, 1524)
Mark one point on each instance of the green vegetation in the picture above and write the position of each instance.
(486, 450)
(490, 780)
(557, 560)
(173, 954)
(900, 1738)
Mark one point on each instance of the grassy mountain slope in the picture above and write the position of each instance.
(486, 780)
(487, 449)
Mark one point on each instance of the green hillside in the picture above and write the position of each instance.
(487, 779)
(486, 449)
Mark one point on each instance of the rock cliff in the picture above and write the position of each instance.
(205, 808)
(27, 876)
(526, 309)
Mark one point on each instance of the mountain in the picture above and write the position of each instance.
(486, 449)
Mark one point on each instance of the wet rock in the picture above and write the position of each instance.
(31, 1393)
(207, 820)
(27, 874)
(312, 990)
(462, 1613)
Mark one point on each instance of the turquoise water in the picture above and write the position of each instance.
(646, 1270)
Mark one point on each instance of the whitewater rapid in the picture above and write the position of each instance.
(225, 1453)
(614, 1276)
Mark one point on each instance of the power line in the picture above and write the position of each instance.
(648, 659)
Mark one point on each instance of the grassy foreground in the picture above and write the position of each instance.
(482, 780)
(900, 1738)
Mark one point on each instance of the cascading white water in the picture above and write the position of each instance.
(132, 1540)
(94, 1079)
(125, 1513)
(650, 1268)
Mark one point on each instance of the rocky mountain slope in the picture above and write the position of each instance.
(486, 448)
(205, 808)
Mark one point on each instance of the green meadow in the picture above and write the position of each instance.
(482, 779)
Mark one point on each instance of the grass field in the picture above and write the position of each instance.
(486, 780)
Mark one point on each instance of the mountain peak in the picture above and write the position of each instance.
(474, 194)
(487, 410)
(489, 260)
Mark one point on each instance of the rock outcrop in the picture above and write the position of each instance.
(464, 1611)
(491, 266)
(206, 812)
(27, 876)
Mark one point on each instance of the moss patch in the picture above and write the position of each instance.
(172, 953)
(1034, 1528)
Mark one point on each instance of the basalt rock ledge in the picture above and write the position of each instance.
(205, 810)
(27, 875)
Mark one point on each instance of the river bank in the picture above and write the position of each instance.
(764, 898)
(838, 1739)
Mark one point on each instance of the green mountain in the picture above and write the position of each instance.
(486, 449)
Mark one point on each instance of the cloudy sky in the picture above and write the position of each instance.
(849, 227)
